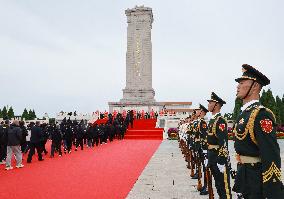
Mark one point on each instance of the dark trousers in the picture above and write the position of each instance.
(38, 147)
(68, 144)
(79, 141)
(43, 146)
(249, 181)
(3, 152)
(96, 140)
(222, 180)
(55, 146)
(101, 139)
(24, 146)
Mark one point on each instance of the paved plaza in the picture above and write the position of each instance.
(166, 175)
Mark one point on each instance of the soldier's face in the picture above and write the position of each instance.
(243, 87)
(198, 112)
(211, 105)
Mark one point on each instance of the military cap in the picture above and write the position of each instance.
(216, 98)
(249, 72)
(203, 108)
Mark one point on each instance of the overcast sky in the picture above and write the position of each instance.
(70, 54)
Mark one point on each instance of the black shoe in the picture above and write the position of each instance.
(195, 176)
(203, 188)
(204, 192)
(40, 159)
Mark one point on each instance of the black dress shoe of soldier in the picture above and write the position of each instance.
(195, 176)
(204, 192)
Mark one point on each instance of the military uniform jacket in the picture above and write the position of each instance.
(255, 136)
(189, 134)
(194, 134)
(218, 135)
(202, 128)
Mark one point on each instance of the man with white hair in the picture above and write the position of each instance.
(14, 145)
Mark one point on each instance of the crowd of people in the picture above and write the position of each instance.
(17, 138)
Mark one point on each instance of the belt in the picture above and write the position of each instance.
(196, 140)
(213, 146)
(247, 159)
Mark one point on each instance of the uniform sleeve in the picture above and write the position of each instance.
(222, 135)
(203, 134)
(265, 135)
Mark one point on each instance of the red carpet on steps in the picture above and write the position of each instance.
(105, 172)
(144, 129)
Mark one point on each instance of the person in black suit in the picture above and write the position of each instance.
(35, 142)
(56, 140)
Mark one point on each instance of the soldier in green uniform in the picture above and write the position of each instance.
(202, 147)
(195, 145)
(258, 152)
(217, 140)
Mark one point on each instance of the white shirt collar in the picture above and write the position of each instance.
(248, 104)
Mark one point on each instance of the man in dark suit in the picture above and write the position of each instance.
(35, 142)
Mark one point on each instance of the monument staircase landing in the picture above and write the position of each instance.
(144, 129)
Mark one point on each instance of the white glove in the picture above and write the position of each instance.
(221, 167)
(206, 162)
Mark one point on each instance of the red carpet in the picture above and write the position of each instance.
(108, 171)
(144, 130)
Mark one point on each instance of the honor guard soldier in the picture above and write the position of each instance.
(202, 147)
(258, 152)
(194, 146)
(217, 148)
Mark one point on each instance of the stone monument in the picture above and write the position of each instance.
(139, 56)
(138, 93)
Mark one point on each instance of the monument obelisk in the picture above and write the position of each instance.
(139, 56)
(138, 93)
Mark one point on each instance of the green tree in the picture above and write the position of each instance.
(4, 112)
(267, 99)
(237, 108)
(25, 114)
(279, 109)
(34, 115)
(263, 98)
(31, 117)
(1, 115)
(282, 111)
(11, 113)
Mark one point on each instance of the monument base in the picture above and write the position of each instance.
(138, 96)
(138, 106)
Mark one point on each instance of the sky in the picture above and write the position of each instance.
(70, 54)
